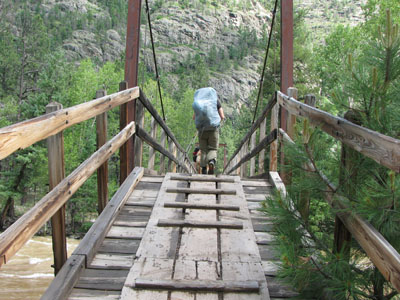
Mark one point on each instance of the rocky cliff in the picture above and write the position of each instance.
(184, 30)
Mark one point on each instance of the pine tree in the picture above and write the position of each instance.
(367, 91)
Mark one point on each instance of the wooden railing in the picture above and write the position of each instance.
(383, 149)
(50, 126)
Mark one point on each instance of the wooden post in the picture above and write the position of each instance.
(253, 159)
(174, 152)
(181, 160)
(138, 157)
(102, 172)
(273, 154)
(171, 164)
(304, 205)
(55, 146)
(291, 120)
(152, 153)
(261, 156)
(123, 151)
(131, 77)
(162, 157)
(237, 159)
(225, 158)
(243, 166)
(348, 182)
(290, 123)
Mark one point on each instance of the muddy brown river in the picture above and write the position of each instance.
(29, 272)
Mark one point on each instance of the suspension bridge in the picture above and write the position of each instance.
(168, 232)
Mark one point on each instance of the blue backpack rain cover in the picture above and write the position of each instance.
(205, 109)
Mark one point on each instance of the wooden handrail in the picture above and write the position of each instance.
(384, 149)
(253, 128)
(378, 249)
(264, 143)
(146, 103)
(25, 227)
(140, 132)
(25, 134)
(65, 280)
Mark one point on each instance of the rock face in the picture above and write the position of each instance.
(85, 44)
(178, 33)
(181, 33)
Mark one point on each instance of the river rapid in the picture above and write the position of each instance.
(28, 274)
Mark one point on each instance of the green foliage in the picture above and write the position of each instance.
(360, 69)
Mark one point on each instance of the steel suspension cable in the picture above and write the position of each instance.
(265, 60)
(155, 60)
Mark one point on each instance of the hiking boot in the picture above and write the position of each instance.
(211, 166)
(204, 170)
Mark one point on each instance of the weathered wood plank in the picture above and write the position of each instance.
(230, 286)
(261, 157)
(199, 224)
(112, 261)
(55, 146)
(151, 268)
(253, 159)
(125, 232)
(270, 267)
(264, 238)
(108, 284)
(239, 251)
(25, 227)
(148, 203)
(94, 237)
(255, 183)
(202, 179)
(152, 153)
(86, 294)
(279, 290)
(102, 172)
(385, 150)
(157, 179)
(130, 222)
(154, 186)
(235, 270)
(198, 244)
(200, 206)
(268, 252)
(62, 284)
(100, 279)
(122, 246)
(161, 242)
(278, 183)
(24, 134)
(134, 211)
(201, 191)
(163, 141)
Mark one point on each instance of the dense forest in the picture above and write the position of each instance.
(353, 70)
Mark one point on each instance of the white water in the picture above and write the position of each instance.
(29, 272)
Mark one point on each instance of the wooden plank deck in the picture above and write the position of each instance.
(138, 259)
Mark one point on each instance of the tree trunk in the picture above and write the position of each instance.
(9, 210)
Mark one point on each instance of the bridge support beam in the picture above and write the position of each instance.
(55, 146)
(286, 60)
(128, 111)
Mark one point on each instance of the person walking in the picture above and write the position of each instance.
(208, 115)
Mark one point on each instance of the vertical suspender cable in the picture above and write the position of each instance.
(154, 57)
(265, 60)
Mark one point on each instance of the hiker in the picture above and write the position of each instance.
(208, 114)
